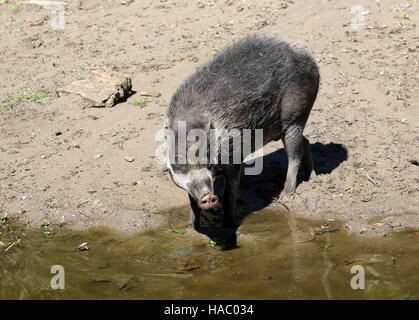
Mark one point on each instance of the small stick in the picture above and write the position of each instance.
(370, 179)
(14, 243)
(282, 204)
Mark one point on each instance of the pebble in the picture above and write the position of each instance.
(395, 224)
(150, 94)
(126, 2)
(83, 247)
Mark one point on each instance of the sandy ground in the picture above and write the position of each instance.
(64, 163)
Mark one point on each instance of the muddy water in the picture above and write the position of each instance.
(279, 257)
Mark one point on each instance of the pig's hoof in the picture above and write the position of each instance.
(287, 192)
(284, 196)
(311, 176)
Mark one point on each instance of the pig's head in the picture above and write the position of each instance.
(188, 161)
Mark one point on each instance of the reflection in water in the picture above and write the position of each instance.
(279, 257)
(327, 267)
(297, 266)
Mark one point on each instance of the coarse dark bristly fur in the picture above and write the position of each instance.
(248, 85)
(257, 83)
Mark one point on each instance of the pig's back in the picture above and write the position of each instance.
(245, 80)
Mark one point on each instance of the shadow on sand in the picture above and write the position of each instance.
(258, 191)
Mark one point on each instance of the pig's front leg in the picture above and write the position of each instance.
(231, 192)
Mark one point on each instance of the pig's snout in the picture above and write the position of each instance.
(209, 201)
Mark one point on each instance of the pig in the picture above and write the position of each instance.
(259, 82)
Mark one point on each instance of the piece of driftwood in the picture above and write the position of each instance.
(102, 89)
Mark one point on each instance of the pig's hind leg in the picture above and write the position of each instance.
(298, 151)
(294, 147)
(307, 160)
